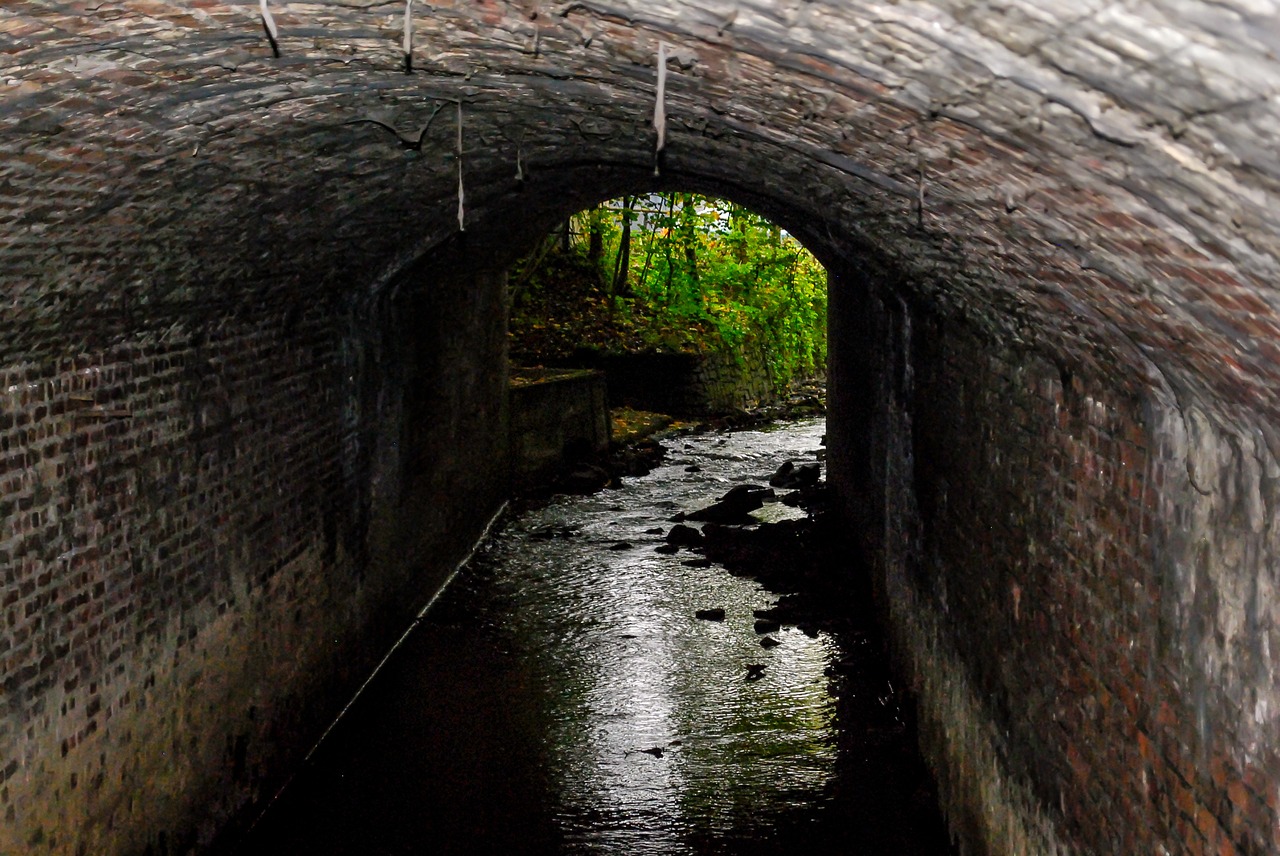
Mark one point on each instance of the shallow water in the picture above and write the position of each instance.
(561, 697)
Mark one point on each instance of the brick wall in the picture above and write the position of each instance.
(1097, 182)
(203, 547)
(1089, 633)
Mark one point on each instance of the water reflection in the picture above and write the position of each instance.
(564, 698)
(655, 732)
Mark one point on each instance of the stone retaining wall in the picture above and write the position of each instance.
(709, 384)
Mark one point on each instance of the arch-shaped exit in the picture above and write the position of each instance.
(669, 275)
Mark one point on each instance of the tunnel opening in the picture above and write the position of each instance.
(423, 364)
(692, 305)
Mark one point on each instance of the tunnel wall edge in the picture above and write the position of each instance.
(212, 530)
(1077, 578)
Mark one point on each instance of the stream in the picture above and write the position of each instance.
(563, 697)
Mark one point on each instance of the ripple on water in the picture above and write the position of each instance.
(654, 728)
(563, 697)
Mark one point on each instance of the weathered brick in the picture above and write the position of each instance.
(93, 620)
(1083, 192)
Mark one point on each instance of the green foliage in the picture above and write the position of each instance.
(673, 271)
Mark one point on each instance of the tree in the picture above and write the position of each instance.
(622, 263)
(711, 276)
(595, 234)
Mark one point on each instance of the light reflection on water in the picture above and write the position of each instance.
(517, 717)
(632, 669)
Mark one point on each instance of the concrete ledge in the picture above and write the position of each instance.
(556, 416)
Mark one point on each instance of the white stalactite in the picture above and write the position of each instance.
(408, 35)
(462, 197)
(270, 23)
(660, 106)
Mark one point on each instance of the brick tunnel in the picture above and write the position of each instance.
(253, 364)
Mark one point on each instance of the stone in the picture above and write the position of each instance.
(554, 531)
(734, 507)
(783, 476)
(585, 479)
(746, 496)
(789, 476)
(684, 536)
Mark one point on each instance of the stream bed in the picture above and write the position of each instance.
(562, 696)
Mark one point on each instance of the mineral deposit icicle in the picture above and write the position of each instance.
(462, 209)
(660, 107)
(269, 23)
(408, 36)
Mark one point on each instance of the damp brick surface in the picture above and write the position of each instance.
(251, 343)
(1078, 580)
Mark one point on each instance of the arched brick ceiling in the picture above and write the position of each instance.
(1100, 179)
